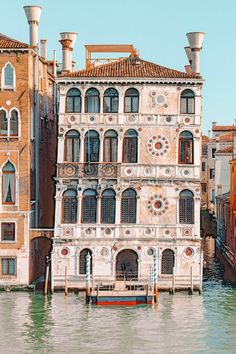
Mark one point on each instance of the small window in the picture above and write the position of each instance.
(186, 148)
(92, 101)
(110, 146)
(167, 261)
(187, 102)
(213, 153)
(8, 231)
(69, 205)
(8, 77)
(203, 166)
(110, 101)
(8, 184)
(73, 101)
(130, 146)
(92, 146)
(186, 207)
(72, 146)
(8, 266)
(14, 121)
(128, 206)
(108, 207)
(89, 207)
(131, 101)
(3, 123)
(212, 173)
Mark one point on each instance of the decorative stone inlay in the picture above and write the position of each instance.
(158, 99)
(68, 232)
(148, 231)
(70, 170)
(158, 145)
(92, 119)
(109, 119)
(188, 252)
(187, 120)
(158, 205)
(149, 119)
(107, 231)
(186, 231)
(64, 252)
(108, 170)
(132, 118)
(168, 119)
(150, 251)
(148, 171)
(104, 252)
(71, 120)
(88, 231)
(185, 172)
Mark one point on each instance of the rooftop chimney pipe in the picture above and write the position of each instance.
(195, 40)
(67, 41)
(33, 14)
(43, 48)
(189, 54)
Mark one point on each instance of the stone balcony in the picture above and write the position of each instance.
(115, 170)
(132, 231)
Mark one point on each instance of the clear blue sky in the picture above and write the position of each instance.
(157, 29)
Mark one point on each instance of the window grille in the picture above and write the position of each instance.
(110, 146)
(82, 261)
(110, 101)
(131, 101)
(130, 146)
(92, 101)
(187, 102)
(128, 206)
(92, 146)
(89, 207)
(69, 207)
(73, 101)
(186, 148)
(108, 207)
(186, 207)
(8, 266)
(167, 261)
(72, 146)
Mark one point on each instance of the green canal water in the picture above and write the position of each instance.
(179, 324)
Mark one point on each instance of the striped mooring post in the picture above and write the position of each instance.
(88, 272)
(155, 276)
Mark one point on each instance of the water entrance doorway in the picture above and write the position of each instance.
(127, 265)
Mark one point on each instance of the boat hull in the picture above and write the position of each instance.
(120, 300)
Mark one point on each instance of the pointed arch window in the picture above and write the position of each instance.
(8, 77)
(167, 261)
(186, 207)
(187, 102)
(72, 146)
(108, 207)
(130, 146)
(82, 261)
(69, 207)
(110, 146)
(110, 101)
(131, 101)
(3, 123)
(186, 148)
(8, 184)
(89, 207)
(73, 101)
(128, 206)
(92, 101)
(14, 123)
(92, 146)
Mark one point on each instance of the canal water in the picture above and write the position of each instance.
(179, 324)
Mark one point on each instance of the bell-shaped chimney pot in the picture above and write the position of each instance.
(195, 40)
(33, 14)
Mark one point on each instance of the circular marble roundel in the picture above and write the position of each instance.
(158, 205)
(157, 145)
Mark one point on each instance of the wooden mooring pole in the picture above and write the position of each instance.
(46, 280)
(88, 271)
(191, 281)
(155, 275)
(66, 285)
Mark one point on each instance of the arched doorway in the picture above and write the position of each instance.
(82, 261)
(127, 265)
(40, 247)
(167, 261)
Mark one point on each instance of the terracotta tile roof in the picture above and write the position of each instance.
(7, 42)
(130, 67)
(226, 137)
(228, 149)
(217, 128)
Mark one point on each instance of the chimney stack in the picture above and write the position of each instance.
(195, 40)
(43, 48)
(67, 41)
(189, 54)
(33, 14)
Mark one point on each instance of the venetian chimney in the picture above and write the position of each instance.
(67, 41)
(195, 40)
(33, 14)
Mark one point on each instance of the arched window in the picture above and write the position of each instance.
(186, 147)
(3, 122)
(186, 207)
(187, 104)
(131, 101)
(8, 77)
(92, 101)
(130, 146)
(73, 101)
(14, 122)
(110, 101)
(108, 207)
(92, 145)
(72, 146)
(69, 205)
(82, 261)
(8, 184)
(167, 261)
(89, 207)
(128, 207)
(110, 144)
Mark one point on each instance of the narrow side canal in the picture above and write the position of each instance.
(178, 324)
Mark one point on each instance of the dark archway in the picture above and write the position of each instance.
(40, 247)
(167, 261)
(127, 265)
(82, 261)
